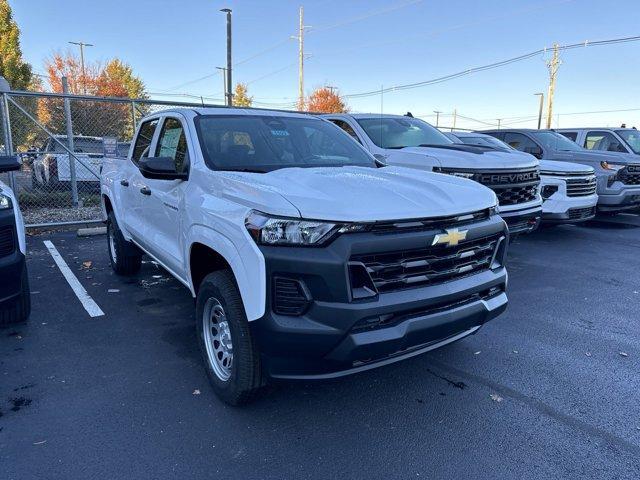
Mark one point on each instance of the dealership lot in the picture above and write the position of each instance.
(550, 389)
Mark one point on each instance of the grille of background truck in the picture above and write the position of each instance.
(581, 187)
(581, 213)
(630, 175)
(398, 270)
(510, 190)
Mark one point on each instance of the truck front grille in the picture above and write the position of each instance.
(7, 241)
(630, 175)
(512, 187)
(397, 270)
(581, 187)
(420, 225)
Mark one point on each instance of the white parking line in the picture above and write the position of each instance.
(88, 303)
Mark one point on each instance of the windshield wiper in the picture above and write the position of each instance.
(399, 147)
(249, 170)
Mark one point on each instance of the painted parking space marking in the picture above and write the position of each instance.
(88, 303)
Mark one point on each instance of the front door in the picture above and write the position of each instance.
(163, 201)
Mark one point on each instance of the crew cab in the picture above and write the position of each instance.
(617, 174)
(15, 296)
(410, 142)
(52, 165)
(618, 140)
(308, 259)
(568, 189)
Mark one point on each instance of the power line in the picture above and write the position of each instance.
(489, 66)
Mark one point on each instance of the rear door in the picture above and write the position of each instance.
(163, 202)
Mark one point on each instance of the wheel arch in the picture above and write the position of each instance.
(209, 251)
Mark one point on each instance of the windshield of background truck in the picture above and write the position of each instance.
(632, 138)
(263, 143)
(555, 141)
(486, 142)
(391, 132)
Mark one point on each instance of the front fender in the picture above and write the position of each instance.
(247, 264)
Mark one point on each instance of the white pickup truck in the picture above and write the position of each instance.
(308, 259)
(404, 141)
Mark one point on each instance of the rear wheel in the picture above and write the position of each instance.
(230, 354)
(17, 310)
(124, 256)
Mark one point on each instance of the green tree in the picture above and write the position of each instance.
(12, 66)
(240, 97)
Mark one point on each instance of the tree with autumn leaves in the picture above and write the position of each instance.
(92, 117)
(326, 100)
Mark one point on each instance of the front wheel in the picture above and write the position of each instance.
(124, 256)
(229, 351)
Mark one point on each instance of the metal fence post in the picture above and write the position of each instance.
(133, 116)
(72, 160)
(8, 141)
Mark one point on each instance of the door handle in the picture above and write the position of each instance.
(124, 183)
(145, 191)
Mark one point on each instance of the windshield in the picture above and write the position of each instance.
(393, 132)
(555, 141)
(486, 142)
(632, 138)
(261, 143)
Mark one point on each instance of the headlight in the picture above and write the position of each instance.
(614, 167)
(5, 202)
(267, 230)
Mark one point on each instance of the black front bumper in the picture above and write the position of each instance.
(12, 261)
(522, 221)
(328, 340)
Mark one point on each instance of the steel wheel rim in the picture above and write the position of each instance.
(217, 339)
(112, 246)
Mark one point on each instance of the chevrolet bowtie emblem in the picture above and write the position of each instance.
(451, 238)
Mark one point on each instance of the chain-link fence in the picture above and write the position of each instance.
(62, 141)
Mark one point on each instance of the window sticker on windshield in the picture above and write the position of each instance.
(279, 133)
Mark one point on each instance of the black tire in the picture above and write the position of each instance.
(124, 256)
(245, 381)
(19, 309)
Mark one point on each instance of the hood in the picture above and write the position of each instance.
(360, 194)
(467, 157)
(564, 167)
(593, 156)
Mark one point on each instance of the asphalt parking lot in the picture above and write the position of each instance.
(551, 389)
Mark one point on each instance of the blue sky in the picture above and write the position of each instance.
(360, 45)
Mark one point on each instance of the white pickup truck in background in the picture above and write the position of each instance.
(51, 165)
(308, 259)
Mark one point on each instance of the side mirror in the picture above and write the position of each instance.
(9, 163)
(160, 168)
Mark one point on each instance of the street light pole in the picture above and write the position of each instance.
(84, 76)
(437, 112)
(541, 95)
(229, 84)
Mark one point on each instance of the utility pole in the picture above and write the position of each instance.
(300, 38)
(84, 76)
(229, 89)
(553, 65)
(499, 122)
(437, 112)
(541, 95)
(455, 117)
